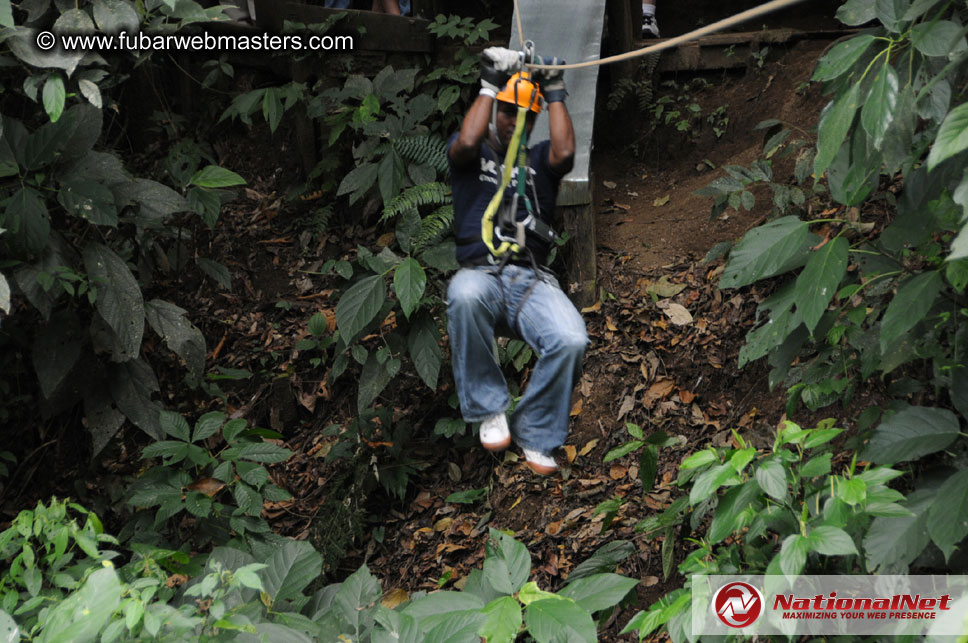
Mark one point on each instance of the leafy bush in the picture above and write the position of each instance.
(60, 584)
(497, 603)
(785, 511)
(213, 473)
(79, 227)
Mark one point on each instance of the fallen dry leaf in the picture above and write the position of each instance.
(585, 450)
(661, 201)
(627, 405)
(617, 472)
(443, 524)
(649, 581)
(394, 597)
(678, 314)
(659, 390)
(571, 452)
(208, 486)
(686, 396)
(594, 308)
(577, 407)
(609, 184)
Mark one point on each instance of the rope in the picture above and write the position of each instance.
(487, 221)
(517, 11)
(726, 23)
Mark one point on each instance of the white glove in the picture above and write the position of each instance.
(504, 59)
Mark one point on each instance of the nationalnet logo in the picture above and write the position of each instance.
(830, 605)
(738, 604)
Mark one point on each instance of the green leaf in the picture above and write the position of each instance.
(466, 497)
(4, 296)
(879, 108)
(699, 459)
(513, 554)
(409, 282)
(359, 305)
(952, 138)
(766, 251)
(503, 620)
(208, 425)
(180, 335)
(599, 592)
(216, 271)
(947, 521)
(424, 346)
(113, 16)
(648, 467)
(272, 108)
(373, 379)
(9, 630)
(27, 221)
(623, 450)
(132, 384)
(263, 452)
(709, 481)
(175, 425)
(54, 96)
(358, 181)
(733, 503)
(461, 627)
(213, 176)
(891, 12)
(909, 306)
(842, 57)
(89, 200)
(919, 8)
(853, 491)
(856, 12)
(119, 298)
(793, 554)
(938, 38)
(771, 476)
(551, 620)
(818, 466)
(835, 122)
(437, 607)
(831, 541)
(442, 257)
(817, 283)
(91, 92)
(818, 437)
(6, 20)
(893, 542)
(604, 560)
(157, 201)
(911, 434)
(295, 564)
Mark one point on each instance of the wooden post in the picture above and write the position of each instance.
(581, 271)
(305, 128)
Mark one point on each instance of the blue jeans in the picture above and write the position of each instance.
(481, 300)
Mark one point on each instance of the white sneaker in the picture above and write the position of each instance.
(650, 28)
(494, 432)
(539, 462)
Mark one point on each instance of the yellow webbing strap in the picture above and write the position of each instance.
(487, 221)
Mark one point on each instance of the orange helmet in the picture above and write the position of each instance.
(522, 91)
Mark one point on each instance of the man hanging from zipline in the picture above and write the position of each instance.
(504, 236)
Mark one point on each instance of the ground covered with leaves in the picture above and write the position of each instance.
(663, 362)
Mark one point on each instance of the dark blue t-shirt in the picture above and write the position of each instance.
(475, 184)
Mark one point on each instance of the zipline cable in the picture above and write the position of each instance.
(725, 23)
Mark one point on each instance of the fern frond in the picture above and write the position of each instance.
(424, 149)
(414, 197)
(433, 227)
